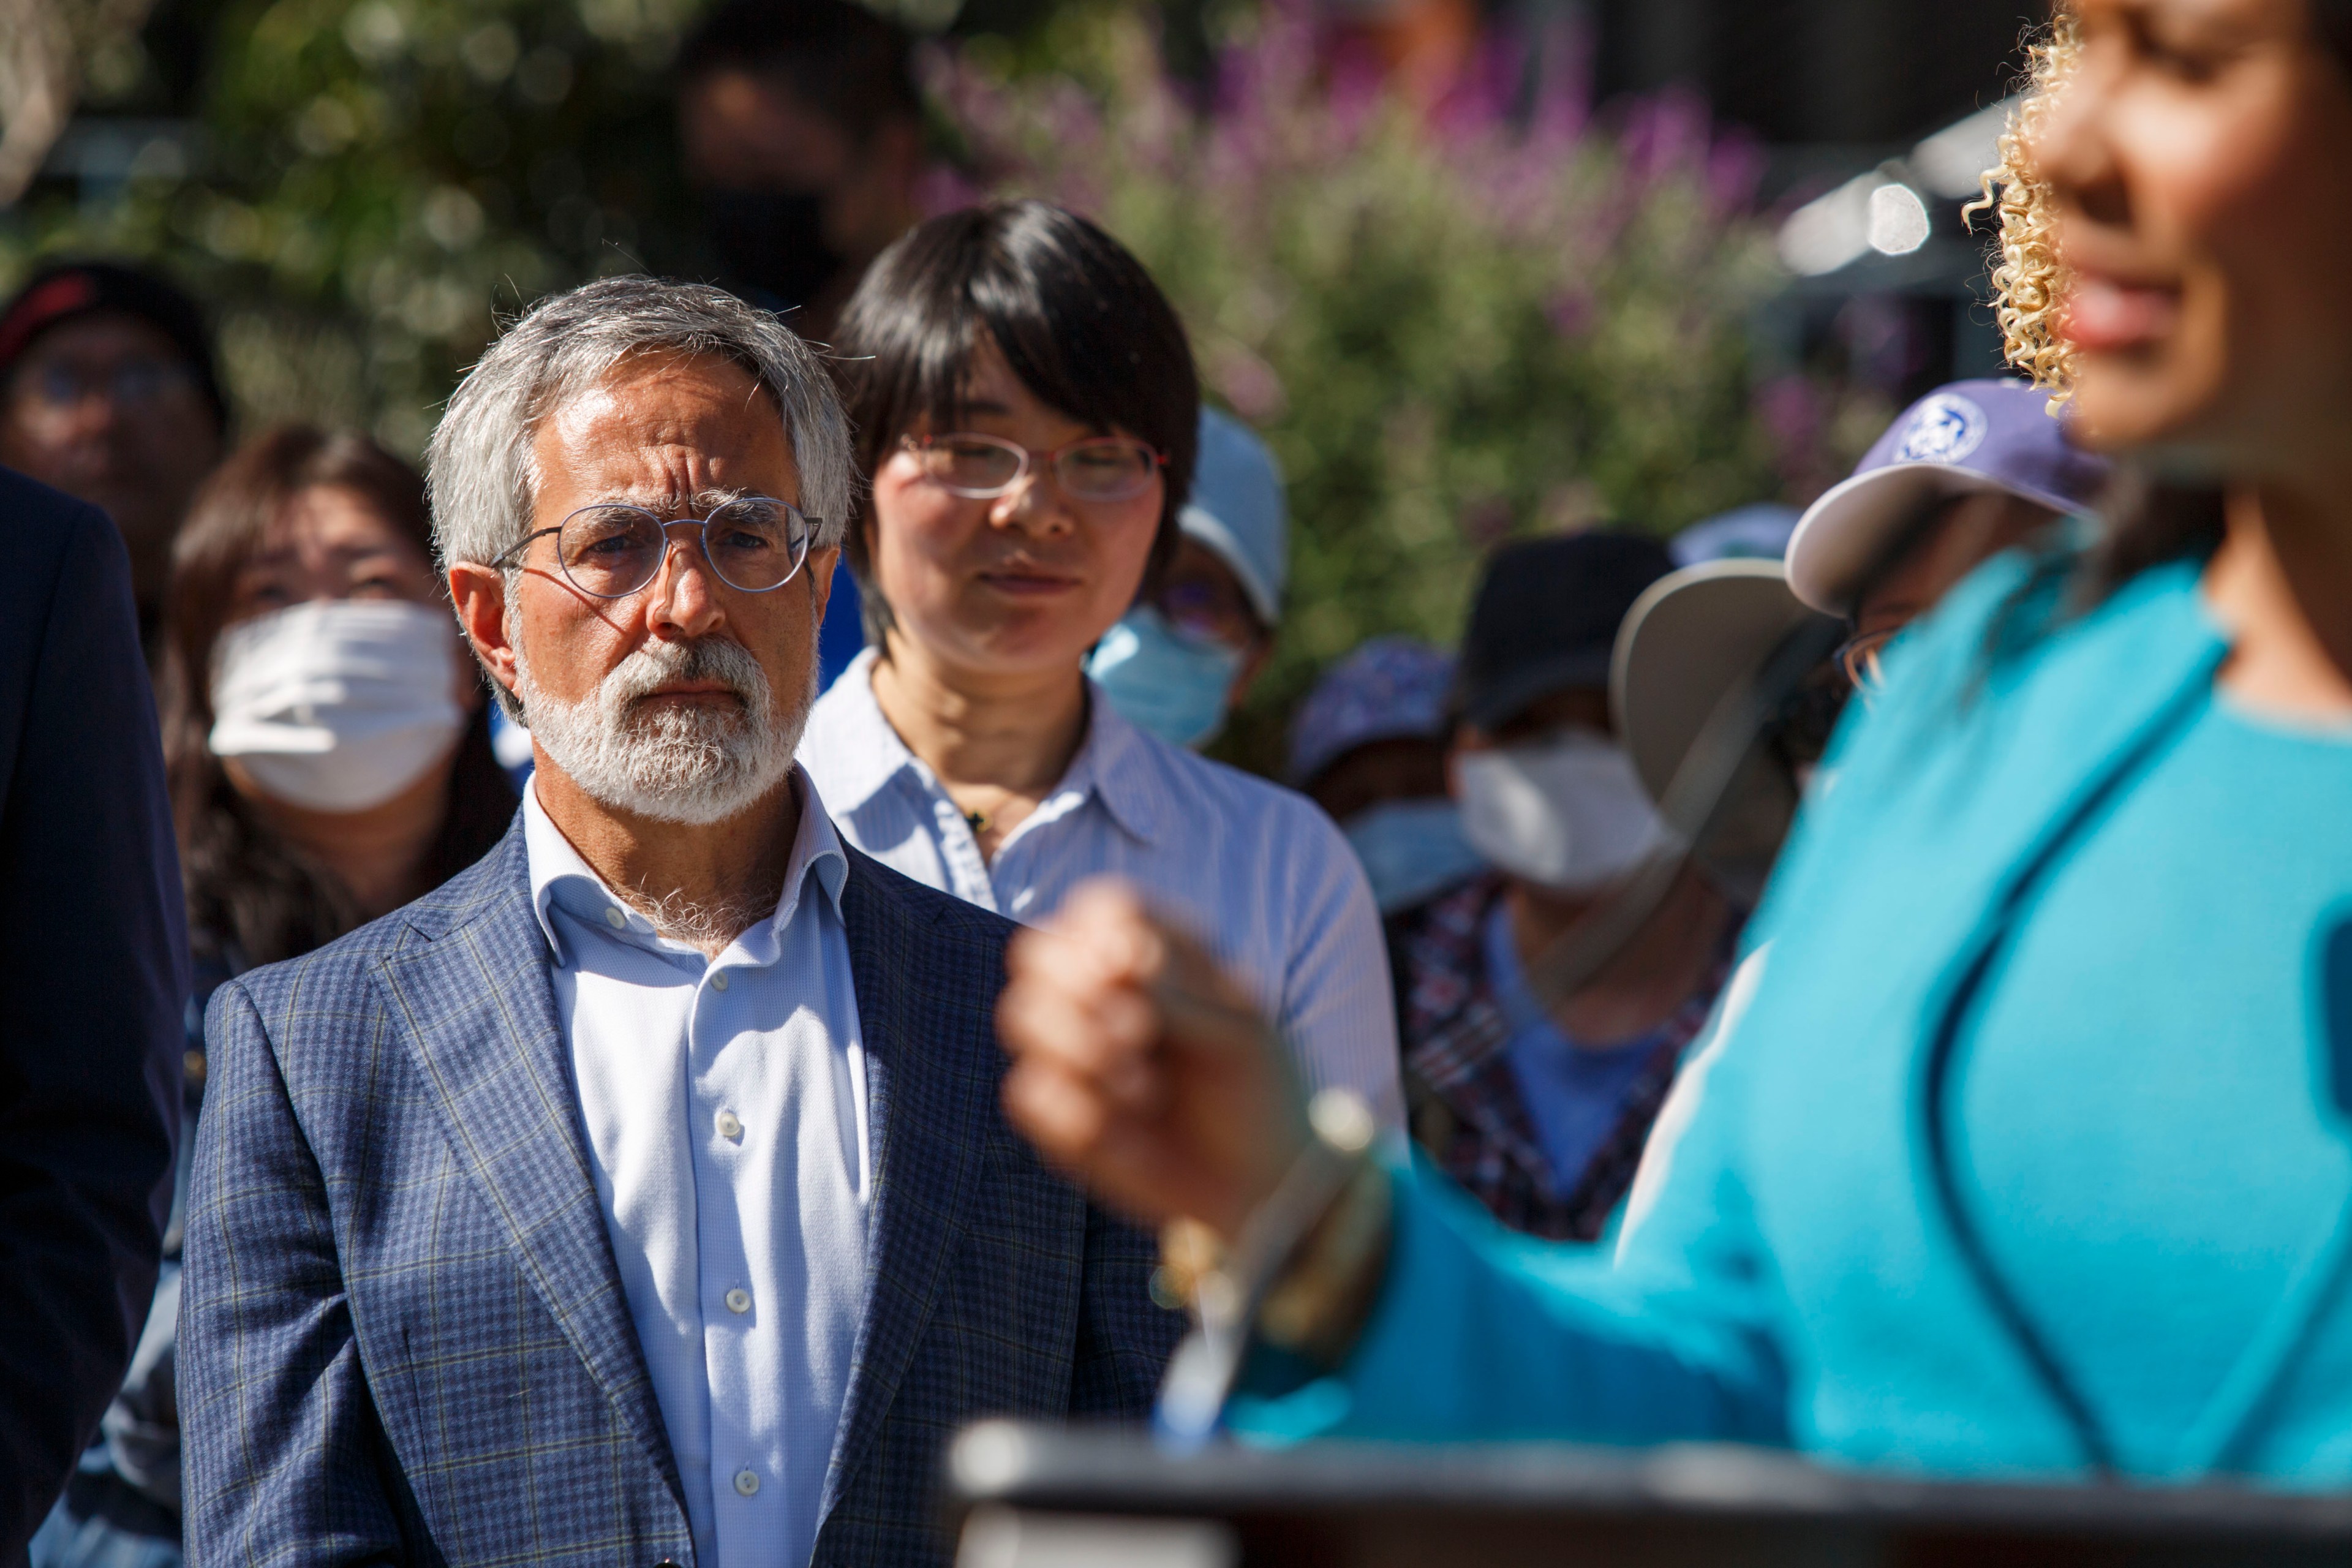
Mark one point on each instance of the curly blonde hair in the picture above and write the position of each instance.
(2028, 283)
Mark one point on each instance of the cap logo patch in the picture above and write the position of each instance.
(1946, 428)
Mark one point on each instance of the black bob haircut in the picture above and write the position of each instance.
(1076, 317)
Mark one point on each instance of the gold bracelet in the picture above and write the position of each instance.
(1318, 1215)
(1189, 1253)
(1317, 1306)
(1307, 1300)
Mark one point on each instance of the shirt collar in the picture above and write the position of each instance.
(1115, 761)
(560, 875)
(1110, 766)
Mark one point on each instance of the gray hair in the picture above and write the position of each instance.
(479, 469)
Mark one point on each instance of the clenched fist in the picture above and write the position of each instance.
(1139, 1067)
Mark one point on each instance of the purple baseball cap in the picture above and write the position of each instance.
(1389, 688)
(1965, 437)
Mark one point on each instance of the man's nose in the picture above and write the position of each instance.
(683, 598)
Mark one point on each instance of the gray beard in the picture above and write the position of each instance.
(694, 766)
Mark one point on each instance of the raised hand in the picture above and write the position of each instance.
(1139, 1067)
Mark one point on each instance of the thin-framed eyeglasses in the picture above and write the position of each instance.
(981, 467)
(1208, 608)
(137, 382)
(610, 550)
(1858, 655)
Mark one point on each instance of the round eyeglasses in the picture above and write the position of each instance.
(981, 467)
(1859, 658)
(611, 550)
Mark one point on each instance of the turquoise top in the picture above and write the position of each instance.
(2148, 1104)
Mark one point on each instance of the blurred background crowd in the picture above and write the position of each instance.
(1474, 271)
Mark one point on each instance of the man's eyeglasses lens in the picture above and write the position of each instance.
(1108, 468)
(613, 551)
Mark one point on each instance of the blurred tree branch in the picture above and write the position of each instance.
(44, 45)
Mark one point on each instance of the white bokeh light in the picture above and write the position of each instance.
(1898, 220)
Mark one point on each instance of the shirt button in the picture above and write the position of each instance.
(746, 1483)
(730, 1125)
(719, 981)
(616, 918)
(739, 1300)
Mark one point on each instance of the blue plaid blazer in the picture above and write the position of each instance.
(403, 1338)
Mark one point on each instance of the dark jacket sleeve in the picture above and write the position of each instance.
(93, 980)
(284, 1460)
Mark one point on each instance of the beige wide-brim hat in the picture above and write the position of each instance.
(1691, 641)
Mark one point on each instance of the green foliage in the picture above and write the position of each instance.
(1450, 325)
(373, 179)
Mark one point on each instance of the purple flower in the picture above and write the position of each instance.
(1571, 310)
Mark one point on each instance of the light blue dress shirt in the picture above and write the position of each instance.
(725, 1108)
(1257, 872)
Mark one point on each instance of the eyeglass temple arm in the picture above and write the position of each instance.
(505, 557)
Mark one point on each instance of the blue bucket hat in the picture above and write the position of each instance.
(1967, 438)
(1389, 688)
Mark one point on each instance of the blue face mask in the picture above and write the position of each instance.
(1411, 848)
(1161, 680)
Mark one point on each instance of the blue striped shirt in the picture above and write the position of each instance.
(1258, 873)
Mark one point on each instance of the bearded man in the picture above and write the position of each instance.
(640, 1195)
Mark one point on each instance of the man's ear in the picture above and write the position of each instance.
(819, 569)
(480, 594)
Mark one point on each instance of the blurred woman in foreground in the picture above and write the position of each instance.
(2033, 1149)
(323, 735)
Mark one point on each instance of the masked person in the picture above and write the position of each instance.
(1368, 745)
(1178, 664)
(109, 393)
(328, 760)
(1025, 402)
(1540, 1108)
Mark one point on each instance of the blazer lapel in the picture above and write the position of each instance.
(929, 1106)
(477, 1013)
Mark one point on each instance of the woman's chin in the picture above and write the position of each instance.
(1018, 648)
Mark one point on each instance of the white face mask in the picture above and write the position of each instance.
(1568, 813)
(338, 704)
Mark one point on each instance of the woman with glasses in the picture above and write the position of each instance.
(324, 740)
(1026, 406)
(2033, 1153)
